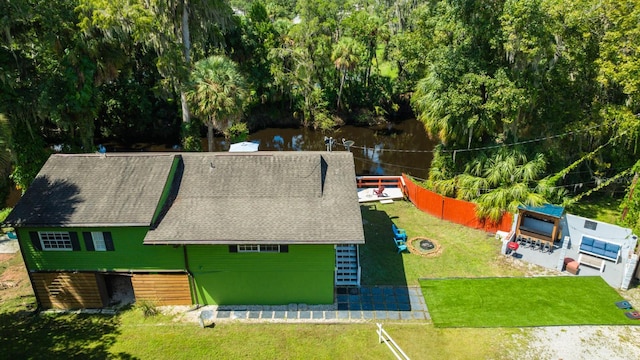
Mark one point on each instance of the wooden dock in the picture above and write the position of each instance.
(394, 188)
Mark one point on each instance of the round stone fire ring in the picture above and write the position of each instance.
(424, 247)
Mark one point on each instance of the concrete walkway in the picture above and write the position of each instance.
(366, 303)
(8, 246)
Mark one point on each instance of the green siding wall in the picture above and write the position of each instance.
(167, 188)
(129, 253)
(303, 275)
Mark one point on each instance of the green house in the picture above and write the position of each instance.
(190, 228)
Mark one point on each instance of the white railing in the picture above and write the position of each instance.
(395, 349)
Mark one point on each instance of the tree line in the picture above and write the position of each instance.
(529, 99)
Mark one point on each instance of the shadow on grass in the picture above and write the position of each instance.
(25, 335)
(381, 263)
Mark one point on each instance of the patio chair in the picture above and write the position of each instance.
(398, 234)
(528, 242)
(546, 247)
(537, 245)
(401, 245)
(523, 242)
(379, 191)
(634, 315)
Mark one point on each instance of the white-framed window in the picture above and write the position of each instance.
(55, 240)
(98, 241)
(259, 248)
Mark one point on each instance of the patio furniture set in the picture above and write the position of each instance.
(535, 244)
(399, 238)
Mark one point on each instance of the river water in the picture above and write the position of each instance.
(390, 149)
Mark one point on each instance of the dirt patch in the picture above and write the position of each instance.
(14, 282)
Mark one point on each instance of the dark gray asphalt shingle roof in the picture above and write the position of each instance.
(222, 198)
(263, 197)
(90, 190)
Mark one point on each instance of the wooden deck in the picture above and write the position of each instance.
(393, 188)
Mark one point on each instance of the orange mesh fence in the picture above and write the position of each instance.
(423, 199)
(461, 212)
(454, 210)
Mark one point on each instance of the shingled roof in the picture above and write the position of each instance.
(93, 190)
(263, 197)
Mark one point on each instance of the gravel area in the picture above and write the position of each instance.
(578, 343)
(8, 246)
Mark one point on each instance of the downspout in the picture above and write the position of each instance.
(192, 280)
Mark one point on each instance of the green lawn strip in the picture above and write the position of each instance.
(162, 338)
(129, 335)
(522, 302)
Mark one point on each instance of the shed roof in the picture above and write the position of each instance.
(94, 190)
(555, 211)
(263, 197)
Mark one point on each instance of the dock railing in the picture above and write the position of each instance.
(377, 181)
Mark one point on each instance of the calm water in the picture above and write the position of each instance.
(388, 150)
(377, 151)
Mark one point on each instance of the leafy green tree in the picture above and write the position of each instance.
(5, 155)
(30, 155)
(218, 93)
(631, 204)
(171, 27)
(345, 56)
(296, 75)
(260, 36)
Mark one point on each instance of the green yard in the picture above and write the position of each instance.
(522, 302)
(466, 253)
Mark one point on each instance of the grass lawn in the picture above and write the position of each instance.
(598, 206)
(465, 252)
(521, 302)
(386, 68)
(131, 336)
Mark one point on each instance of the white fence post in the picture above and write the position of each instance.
(395, 349)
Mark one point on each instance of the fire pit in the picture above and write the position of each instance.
(424, 247)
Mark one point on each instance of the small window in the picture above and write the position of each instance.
(55, 240)
(259, 248)
(98, 241)
(591, 225)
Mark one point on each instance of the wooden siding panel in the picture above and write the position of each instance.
(67, 290)
(162, 289)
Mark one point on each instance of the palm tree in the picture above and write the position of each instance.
(503, 182)
(345, 56)
(217, 93)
